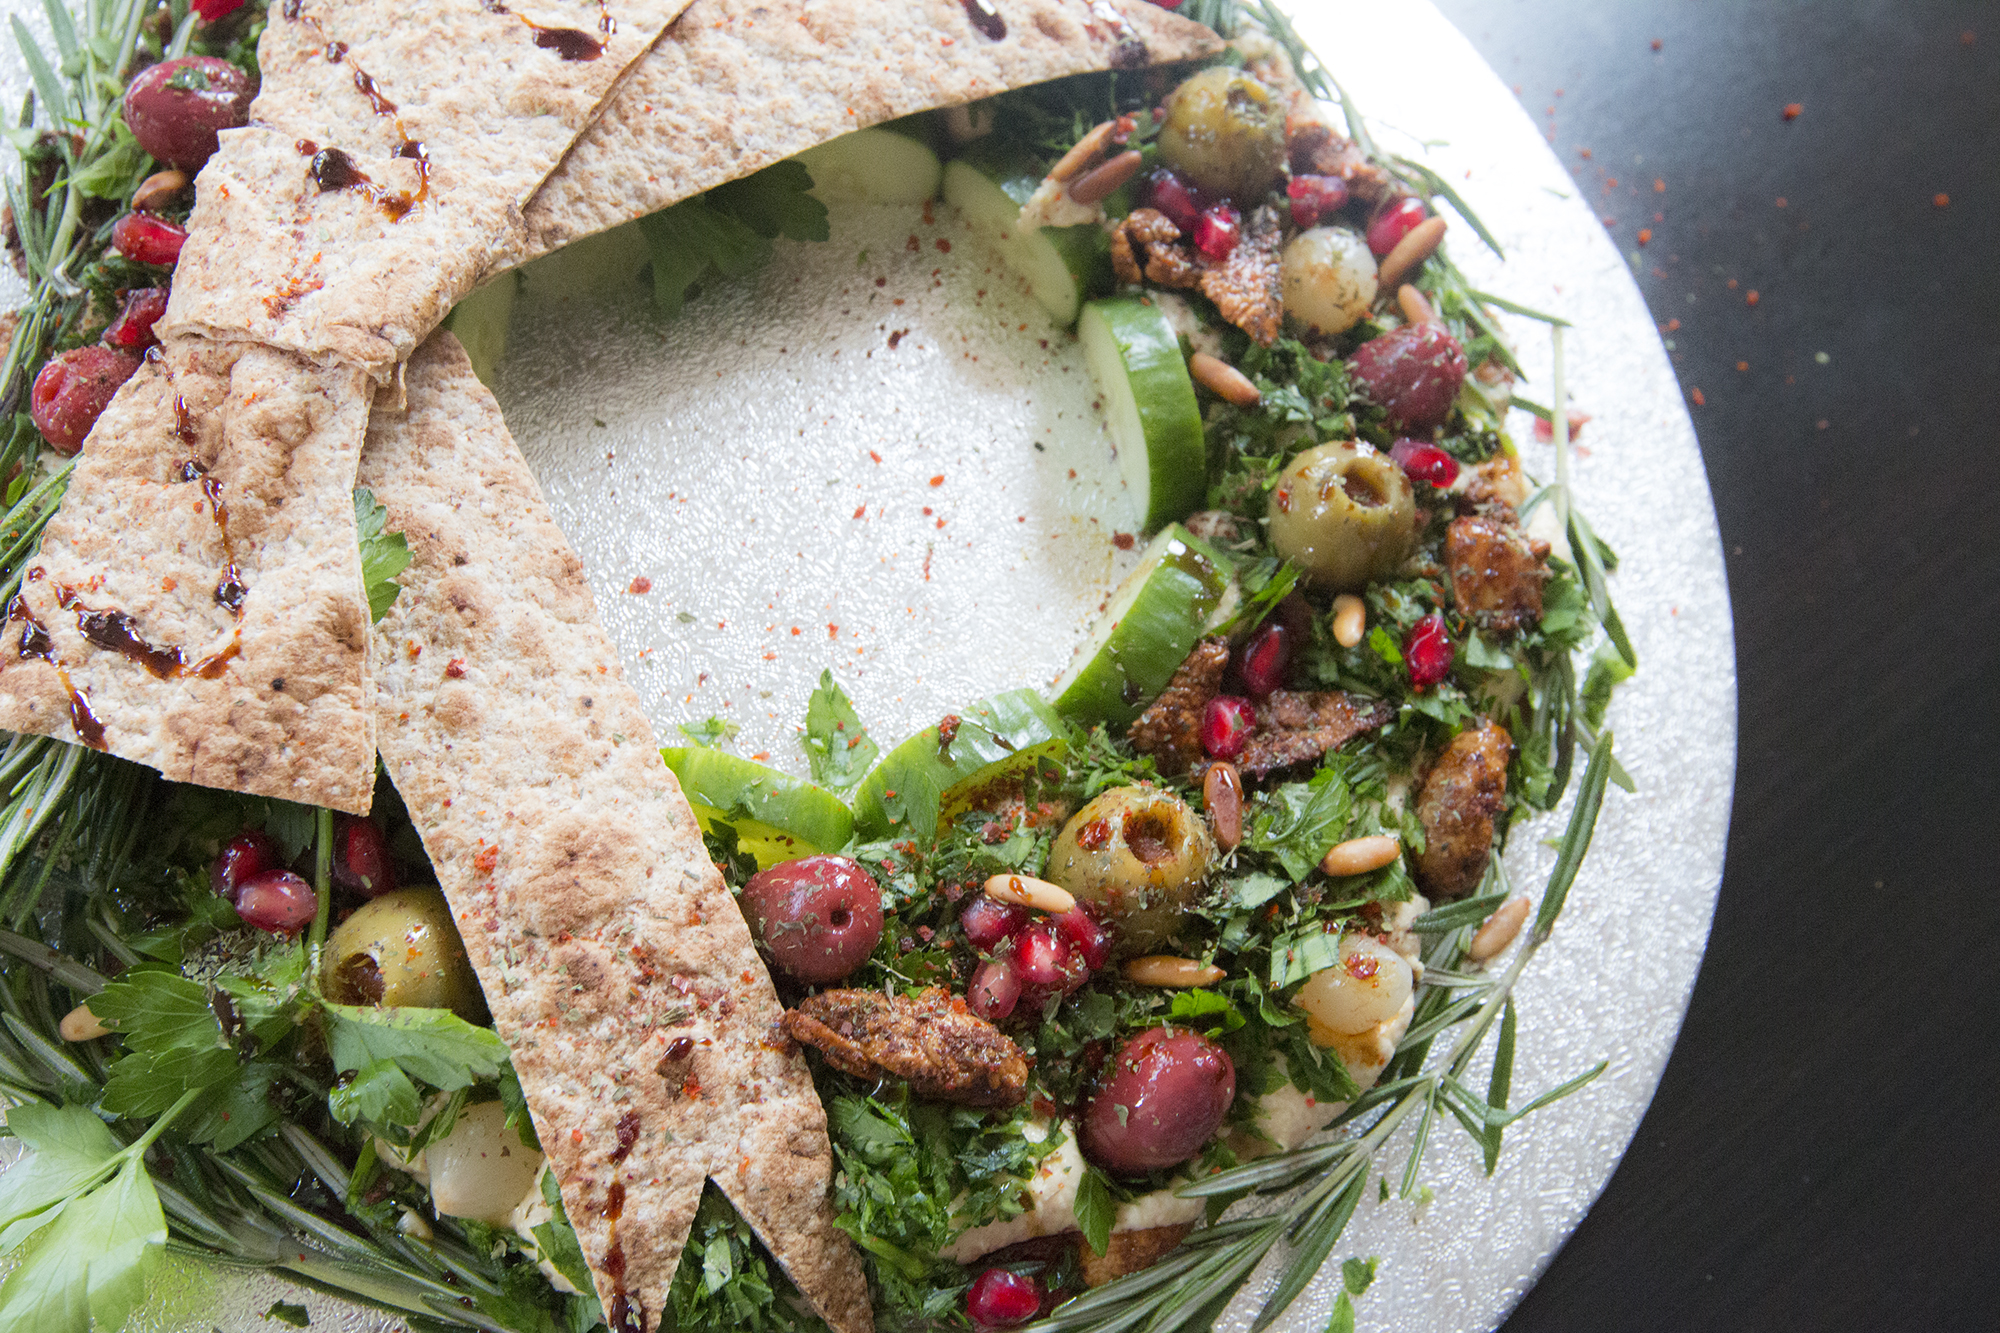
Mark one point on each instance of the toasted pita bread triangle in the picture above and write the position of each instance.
(736, 85)
(614, 960)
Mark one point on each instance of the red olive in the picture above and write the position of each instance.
(1162, 1097)
(141, 310)
(820, 916)
(176, 108)
(73, 389)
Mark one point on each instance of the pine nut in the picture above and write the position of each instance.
(79, 1024)
(1222, 797)
(1415, 247)
(159, 188)
(1223, 380)
(1415, 305)
(413, 1223)
(1358, 856)
(1099, 182)
(1027, 891)
(1086, 152)
(1500, 929)
(1350, 619)
(1163, 969)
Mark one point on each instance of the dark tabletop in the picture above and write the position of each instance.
(1824, 1151)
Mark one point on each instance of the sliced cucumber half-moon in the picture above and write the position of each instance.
(873, 166)
(1062, 265)
(1147, 630)
(777, 817)
(931, 778)
(1149, 406)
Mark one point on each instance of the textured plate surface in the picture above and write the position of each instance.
(876, 456)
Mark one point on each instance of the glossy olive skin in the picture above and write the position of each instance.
(176, 119)
(1344, 514)
(403, 950)
(819, 916)
(1161, 1098)
(1140, 855)
(1415, 372)
(1225, 131)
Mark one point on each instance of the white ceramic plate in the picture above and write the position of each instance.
(878, 456)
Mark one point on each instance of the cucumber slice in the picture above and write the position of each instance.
(777, 817)
(480, 323)
(873, 166)
(1062, 265)
(1149, 406)
(1151, 624)
(924, 782)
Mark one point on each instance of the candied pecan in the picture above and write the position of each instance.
(1247, 287)
(1496, 485)
(1316, 149)
(1294, 726)
(1170, 728)
(1461, 796)
(930, 1041)
(1496, 578)
(1150, 235)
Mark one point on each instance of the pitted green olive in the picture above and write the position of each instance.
(1225, 131)
(1344, 514)
(1140, 854)
(402, 949)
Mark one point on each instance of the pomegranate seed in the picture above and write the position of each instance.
(277, 901)
(1091, 941)
(1169, 193)
(1226, 725)
(1395, 222)
(245, 856)
(133, 329)
(72, 391)
(1315, 198)
(1217, 230)
(1266, 658)
(1046, 961)
(986, 921)
(361, 862)
(1000, 1299)
(1425, 462)
(212, 10)
(1427, 651)
(995, 990)
(145, 239)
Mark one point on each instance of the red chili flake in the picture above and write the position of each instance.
(872, 454)
(1094, 836)
(947, 729)
(641, 584)
(1743, 365)
(1793, 110)
(795, 631)
(1781, 201)
(1732, 284)
(832, 631)
(913, 244)
(455, 668)
(1610, 182)
(938, 480)
(1659, 185)
(1941, 200)
(485, 859)
(1124, 541)
(1645, 235)
(943, 246)
(1657, 43)
(1699, 401)
(857, 513)
(1672, 325)
(1581, 152)
(1751, 298)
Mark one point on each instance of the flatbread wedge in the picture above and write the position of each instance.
(388, 157)
(616, 964)
(736, 85)
(197, 602)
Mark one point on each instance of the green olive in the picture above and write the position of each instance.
(1225, 131)
(1140, 855)
(400, 950)
(1344, 514)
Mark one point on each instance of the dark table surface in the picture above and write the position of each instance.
(1824, 1151)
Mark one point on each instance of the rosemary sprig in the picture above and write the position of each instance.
(1186, 1291)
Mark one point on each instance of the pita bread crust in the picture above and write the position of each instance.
(290, 715)
(596, 922)
(736, 85)
(332, 276)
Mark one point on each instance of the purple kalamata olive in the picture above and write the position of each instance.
(820, 916)
(278, 901)
(245, 856)
(361, 860)
(1162, 1097)
(1415, 372)
(73, 389)
(176, 108)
